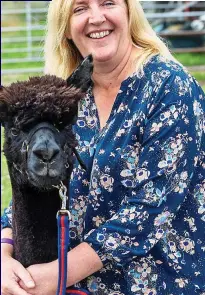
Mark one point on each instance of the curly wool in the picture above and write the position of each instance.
(47, 97)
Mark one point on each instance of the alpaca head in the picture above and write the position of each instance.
(37, 116)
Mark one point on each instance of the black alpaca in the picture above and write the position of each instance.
(37, 116)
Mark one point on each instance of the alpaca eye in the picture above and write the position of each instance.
(14, 131)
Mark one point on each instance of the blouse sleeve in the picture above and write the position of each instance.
(6, 219)
(168, 157)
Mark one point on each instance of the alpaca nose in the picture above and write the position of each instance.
(46, 153)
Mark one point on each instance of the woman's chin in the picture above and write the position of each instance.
(102, 57)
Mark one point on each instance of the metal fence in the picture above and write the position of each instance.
(22, 36)
(23, 29)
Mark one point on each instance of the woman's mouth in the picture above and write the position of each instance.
(99, 35)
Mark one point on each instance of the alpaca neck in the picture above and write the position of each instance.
(35, 225)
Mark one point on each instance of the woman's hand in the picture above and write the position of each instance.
(12, 272)
(45, 276)
(82, 262)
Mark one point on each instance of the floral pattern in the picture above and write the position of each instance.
(141, 203)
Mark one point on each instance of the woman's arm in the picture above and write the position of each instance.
(82, 261)
(12, 270)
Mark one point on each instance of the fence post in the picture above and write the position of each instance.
(28, 28)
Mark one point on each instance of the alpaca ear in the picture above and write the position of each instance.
(81, 77)
(4, 106)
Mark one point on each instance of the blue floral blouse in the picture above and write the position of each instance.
(141, 203)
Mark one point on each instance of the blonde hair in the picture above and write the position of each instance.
(62, 56)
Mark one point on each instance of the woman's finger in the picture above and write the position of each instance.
(13, 289)
(24, 276)
(16, 290)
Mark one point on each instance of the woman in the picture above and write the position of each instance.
(138, 212)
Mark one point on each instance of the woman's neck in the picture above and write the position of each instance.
(109, 75)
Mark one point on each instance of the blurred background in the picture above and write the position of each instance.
(180, 23)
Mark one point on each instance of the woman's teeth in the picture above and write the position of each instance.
(99, 35)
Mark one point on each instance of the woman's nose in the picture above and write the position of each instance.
(97, 16)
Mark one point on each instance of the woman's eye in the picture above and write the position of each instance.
(108, 3)
(79, 9)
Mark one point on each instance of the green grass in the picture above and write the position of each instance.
(5, 180)
(8, 79)
(23, 65)
(34, 33)
(20, 45)
(199, 76)
(21, 55)
(191, 59)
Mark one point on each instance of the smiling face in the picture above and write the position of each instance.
(100, 27)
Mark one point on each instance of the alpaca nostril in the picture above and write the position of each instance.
(55, 152)
(46, 154)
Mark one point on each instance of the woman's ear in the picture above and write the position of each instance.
(68, 34)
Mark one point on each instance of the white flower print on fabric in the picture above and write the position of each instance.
(98, 220)
(199, 195)
(183, 86)
(142, 276)
(181, 282)
(130, 175)
(87, 113)
(162, 218)
(107, 182)
(187, 245)
(77, 217)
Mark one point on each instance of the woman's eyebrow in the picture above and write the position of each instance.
(79, 2)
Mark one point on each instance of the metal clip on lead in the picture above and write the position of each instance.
(63, 195)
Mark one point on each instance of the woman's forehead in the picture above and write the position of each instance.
(80, 1)
(85, 1)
